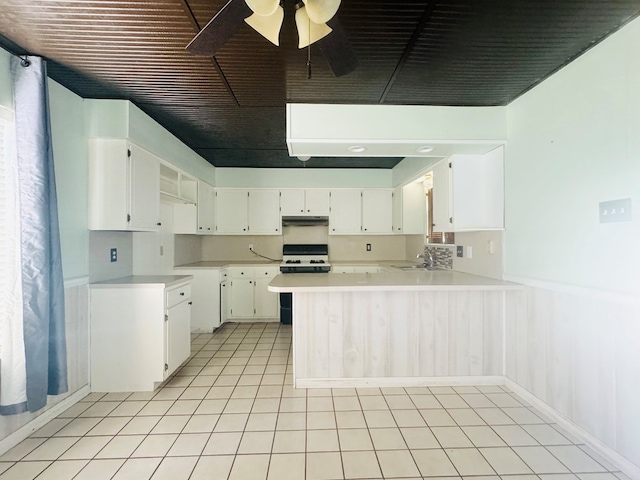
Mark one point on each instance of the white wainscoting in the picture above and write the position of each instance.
(579, 354)
(15, 428)
(382, 335)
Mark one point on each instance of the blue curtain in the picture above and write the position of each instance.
(42, 279)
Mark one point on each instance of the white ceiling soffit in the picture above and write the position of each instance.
(393, 130)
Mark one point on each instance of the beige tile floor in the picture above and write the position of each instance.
(231, 413)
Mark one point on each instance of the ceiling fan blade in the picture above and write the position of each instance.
(321, 11)
(264, 8)
(338, 51)
(308, 31)
(268, 27)
(220, 28)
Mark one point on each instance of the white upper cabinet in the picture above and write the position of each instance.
(206, 208)
(232, 211)
(292, 201)
(264, 212)
(409, 209)
(377, 211)
(346, 211)
(124, 186)
(367, 211)
(240, 211)
(442, 215)
(298, 201)
(468, 193)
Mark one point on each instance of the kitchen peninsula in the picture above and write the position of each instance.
(397, 328)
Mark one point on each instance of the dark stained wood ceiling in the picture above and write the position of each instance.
(231, 108)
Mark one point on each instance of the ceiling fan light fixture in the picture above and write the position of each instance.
(264, 8)
(357, 149)
(309, 32)
(425, 149)
(321, 11)
(268, 26)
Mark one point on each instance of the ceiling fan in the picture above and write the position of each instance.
(315, 19)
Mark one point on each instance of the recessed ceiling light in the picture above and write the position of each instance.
(303, 158)
(357, 149)
(425, 149)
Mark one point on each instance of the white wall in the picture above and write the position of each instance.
(70, 150)
(410, 168)
(303, 177)
(122, 119)
(572, 343)
(573, 142)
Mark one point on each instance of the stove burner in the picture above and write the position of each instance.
(316, 261)
(293, 261)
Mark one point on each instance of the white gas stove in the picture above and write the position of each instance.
(303, 258)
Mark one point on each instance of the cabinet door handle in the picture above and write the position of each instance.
(159, 224)
(190, 303)
(182, 294)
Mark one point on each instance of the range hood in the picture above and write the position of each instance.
(304, 221)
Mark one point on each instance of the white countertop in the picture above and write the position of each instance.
(143, 280)
(400, 281)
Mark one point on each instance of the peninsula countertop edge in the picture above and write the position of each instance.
(386, 282)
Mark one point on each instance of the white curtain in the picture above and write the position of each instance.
(13, 375)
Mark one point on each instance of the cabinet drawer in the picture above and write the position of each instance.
(266, 272)
(178, 295)
(240, 272)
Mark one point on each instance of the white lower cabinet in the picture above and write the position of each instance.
(140, 332)
(246, 295)
(205, 296)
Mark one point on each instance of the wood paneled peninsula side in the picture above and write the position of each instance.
(398, 329)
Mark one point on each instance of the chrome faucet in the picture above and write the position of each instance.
(429, 259)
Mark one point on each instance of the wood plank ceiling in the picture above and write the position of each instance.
(231, 108)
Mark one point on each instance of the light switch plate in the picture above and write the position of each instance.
(615, 211)
(459, 251)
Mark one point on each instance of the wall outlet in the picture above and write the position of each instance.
(491, 247)
(114, 254)
(251, 247)
(615, 211)
(368, 247)
(469, 252)
(459, 251)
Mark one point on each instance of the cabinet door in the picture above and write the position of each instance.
(266, 302)
(178, 336)
(414, 209)
(377, 211)
(232, 209)
(346, 211)
(241, 296)
(206, 212)
(317, 202)
(397, 209)
(442, 221)
(292, 201)
(225, 300)
(264, 212)
(144, 193)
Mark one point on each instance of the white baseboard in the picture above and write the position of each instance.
(396, 382)
(40, 421)
(609, 454)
